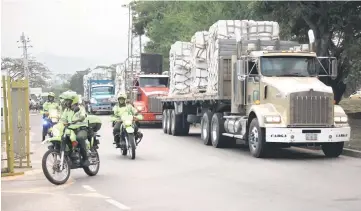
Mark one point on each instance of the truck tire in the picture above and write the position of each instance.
(206, 127)
(216, 130)
(333, 150)
(169, 121)
(164, 121)
(185, 127)
(256, 139)
(177, 126)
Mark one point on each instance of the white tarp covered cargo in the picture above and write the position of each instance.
(199, 61)
(222, 42)
(180, 68)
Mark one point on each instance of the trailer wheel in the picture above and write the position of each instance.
(169, 121)
(205, 127)
(256, 139)
(217, 129)
(185, 127)
(177, 126)
(164, 121)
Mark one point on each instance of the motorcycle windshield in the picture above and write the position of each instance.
(127, 119)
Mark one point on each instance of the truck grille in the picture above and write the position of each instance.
(154, 104)
(311, 109)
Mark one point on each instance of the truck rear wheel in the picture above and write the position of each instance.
(164, 121)
(256, 139)
(206, 127)
(217, 129)
(178, 127)
(333, 150)
(169, 121)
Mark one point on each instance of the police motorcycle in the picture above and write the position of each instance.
(64, 157)
(127, 133)
(50, 118)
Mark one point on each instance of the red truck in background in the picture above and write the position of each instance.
(149, 84)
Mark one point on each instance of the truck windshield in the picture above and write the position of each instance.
(288, 66)
(102, 90)
(153, 82)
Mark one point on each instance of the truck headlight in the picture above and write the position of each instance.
(93, 101)
(140, 108)
(340, 119)
(272, 119)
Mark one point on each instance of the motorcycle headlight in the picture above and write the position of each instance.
(128, 122)
(45, 122)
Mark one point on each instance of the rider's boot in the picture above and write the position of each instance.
(85, 161)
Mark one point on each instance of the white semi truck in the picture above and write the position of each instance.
(267, 94)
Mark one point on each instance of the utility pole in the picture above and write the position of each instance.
(24, 41)
(133, 60)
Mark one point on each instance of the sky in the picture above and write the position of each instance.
(67, 35)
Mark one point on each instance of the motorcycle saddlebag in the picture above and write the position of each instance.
(94, 122)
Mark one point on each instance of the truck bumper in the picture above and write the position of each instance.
(102, 108)
(151, 118)
(308, 135)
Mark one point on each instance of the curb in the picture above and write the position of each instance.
(351, 153)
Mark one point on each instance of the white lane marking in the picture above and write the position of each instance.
(88, 188)
(117, 204)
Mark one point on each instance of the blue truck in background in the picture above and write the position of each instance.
(100, 96)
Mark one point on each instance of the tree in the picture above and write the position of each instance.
(76, 81)
(335, 25)
(39, 74)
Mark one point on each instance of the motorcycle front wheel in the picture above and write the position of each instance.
(54, 171)
(131, 147)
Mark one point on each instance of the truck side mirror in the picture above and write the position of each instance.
(334, 70)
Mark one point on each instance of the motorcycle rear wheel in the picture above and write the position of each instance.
(48, 175)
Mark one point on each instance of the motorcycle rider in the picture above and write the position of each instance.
(50, 104)
(74, 115)
(119, 109)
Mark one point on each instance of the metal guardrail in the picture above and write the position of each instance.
(15, 132)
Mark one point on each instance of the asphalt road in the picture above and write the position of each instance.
(180, 173)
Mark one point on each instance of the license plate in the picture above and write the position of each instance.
(158, 117)
(311, 136)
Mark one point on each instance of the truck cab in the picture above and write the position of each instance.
(101, 96)
(277, 98)
(148, 88)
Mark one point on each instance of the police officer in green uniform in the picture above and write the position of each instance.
(76, 116)
(119, 110)
(50, 104)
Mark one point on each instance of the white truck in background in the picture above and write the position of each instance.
(262, 92)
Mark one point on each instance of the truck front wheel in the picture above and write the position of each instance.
(256, 139)
(332, 150)
(169, 121)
